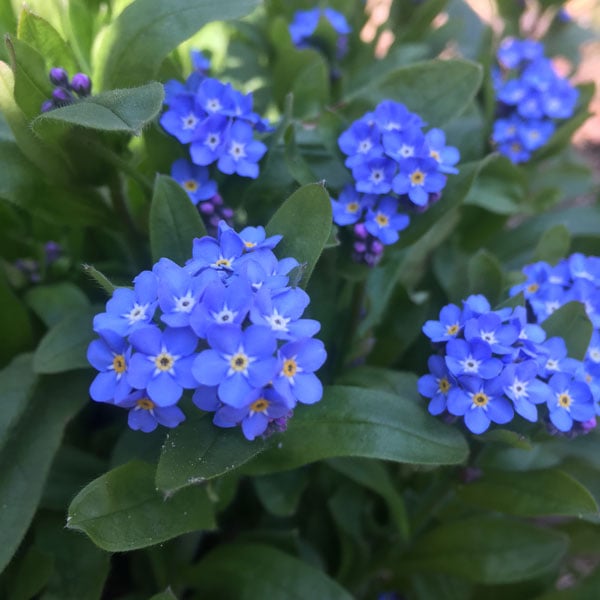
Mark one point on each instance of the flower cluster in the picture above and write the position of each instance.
(227, 325)
(305, 23)
(530, 96)
(65, 91)
(494, 364)
(394, 164)
(577, 278)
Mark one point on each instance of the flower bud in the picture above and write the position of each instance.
(59, 77)
(81, 84)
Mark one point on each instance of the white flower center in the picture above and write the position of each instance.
(277, 322)
(137, 313)
(185, 303)
(189, 121)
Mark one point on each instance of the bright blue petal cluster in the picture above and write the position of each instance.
(394, 164)
(305, 23)
(218, 123)
(227, 325)
(531, 97)
(493, 364)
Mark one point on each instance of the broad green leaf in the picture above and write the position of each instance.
(132, 49)
(16, 388)
(231, 571)
(572, 324)
(124, 110)
(166, 595)
(549, 492)
(305, 222)
(27, 455)
(40, 34)
(295, 160)
(122, 510)
(54, 301)
(15, 324)
(487, 550)
(365, 423)
(174, 221)
(310, 87)
(553, 245)
(485, 276)
(19, 179)
(64, 347)
(402, 383)
(198, 450)
(280, 493)
(419, 86)
(31, 574)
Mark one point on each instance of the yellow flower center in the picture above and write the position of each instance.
(452, 329)
(249, 244)
(119, 364)
(259, 405)
(480, 399)
(239, 362)
(515, 147)
(223, 262)
(164, 361)
(290, 367)
(190, 185)
(145, 404)
(352, 207)
(435, 154)
(443, 385)
(565, 400)
(382, 220)
(532, 288)
(417, 177)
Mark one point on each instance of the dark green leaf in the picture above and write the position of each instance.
(553, 245)
(135, 44)
(572, 324)
(166, 595)
(55, 301)
(231, 570)
(530, 494)
(487, 550)
(305, 222)
(174, 221)
(296, 163)
(14, 324)
(280, 493)
(26, 457)
(485, 276)
(419, 86)
(198, 450)
(102, 280)
(366, 423)
(122, 510)
(402, 383)
(126, 110)
(32, 574)
(64, 347)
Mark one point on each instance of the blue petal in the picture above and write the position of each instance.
(163, 390)
(209, 368)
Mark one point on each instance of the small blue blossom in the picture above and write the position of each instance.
(446, 156)
(384, 222)
(242, 152)
(145, 415)
(110, 355)
(490, 329)
(375, 175)
(472, 358)
(350, 206)
(437, 385)
(194, 179)
(419, 177)
(448, 327)
(571, 401)
(525, 390)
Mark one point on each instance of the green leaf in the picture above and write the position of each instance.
(198, 451)
(553, 245)
(122, 510)
(64, 347)
(231, 570)
(305, 221)
(39, 34)
(487, 550)
(133, 47)
(571, 323)
(530, 494)
(485, 276)
(402, 383)
(126, 110)
(174, 221)
(365, 423)
(15, 325)
(32, 574)
(55, 301)
(280, 493)
(26, 457)
(166, 595)
(17, 381)
(419, 86)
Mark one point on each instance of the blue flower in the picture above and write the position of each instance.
(255, 238)
(238, 362)
(490, 329)
(437, 385)
(446, 156)
(513, 52)
(374, 176)
(481, 403)
(419, 177)
(391, 116)
(210, 139)
(535, 133)
(183, 119)
(208, 253)
(162, 363)
(384, 222)
(448, 327)
(350, 206)
(361, 141)
(304, 24)
(298, 362)
(472, 358)
(145, 415)
(571, 401)
(128, 309)
(553, 358)
(521, 385)
(194, 179)
(110, 355)
(242, 152)
(405, 143)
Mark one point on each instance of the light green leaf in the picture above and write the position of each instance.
(571, 323)
(231, 570)
(487, 550)
(365, 423)
(198, 451)
(64, 347)
(132, 49)
(305, 221)
(55, 301)
(419, 86)
(530, 494)
(174, 221)
(27, 455)
(122, 510)
(125, 110)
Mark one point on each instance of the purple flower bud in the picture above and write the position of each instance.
(217, 200)
(81, 84)
(53, 251)
(227, 213)
(360, 231)
(360, 247)
(46, 106)
(59, 77)
(61, 97)
(206, 208)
